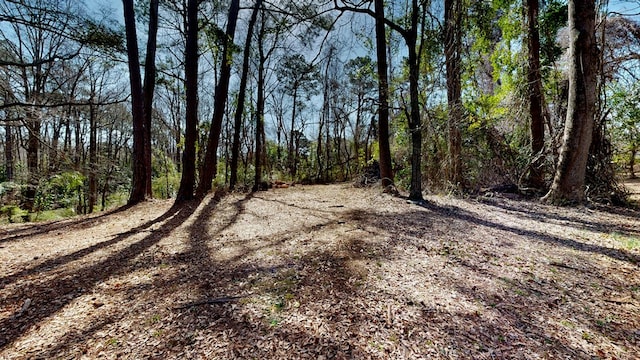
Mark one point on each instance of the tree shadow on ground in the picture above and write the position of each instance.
(305, 301)
(51, 295)
(452, 212)
(29, 230)
(537, 212)
(524, 299)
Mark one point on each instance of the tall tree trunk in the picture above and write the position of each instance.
(139, 186)
(260, 106)
(187, 182)
(632, 162)
(452, 15)
(386, 169)
(33, 145)
(534, 77)
(8, 151)
(259, 115)
(93, 157)
(415, 126)
(148, 90)
(235, 150)
(78, 143)
(219, 103)
(569, 181)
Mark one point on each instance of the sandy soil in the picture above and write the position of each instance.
(325, 272)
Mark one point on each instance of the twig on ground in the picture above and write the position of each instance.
(220, 300)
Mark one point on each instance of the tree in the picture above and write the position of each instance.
(139, 181)
(241, 99)
(534, 81)
(37, 40)
(299, 79)
(453, 34)
(222, 90)
(149, 89)
(386, 168)
(187, 182)
(569, 180)
(361, 74)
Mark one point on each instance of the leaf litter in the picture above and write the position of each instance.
(324, 272)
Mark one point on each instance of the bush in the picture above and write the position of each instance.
(59, 191)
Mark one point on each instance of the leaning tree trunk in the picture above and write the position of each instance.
(235, 149)
(219, 104)
(569, 181)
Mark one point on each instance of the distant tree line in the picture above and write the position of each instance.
(175, 98)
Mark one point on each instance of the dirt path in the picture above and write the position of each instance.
(329, 272)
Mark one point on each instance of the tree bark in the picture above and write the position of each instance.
(8, 152)
(219, 103)
(569, 181)
(235, 149)
(187, 181)
(260, 105)
(632, 162)
(534, 77)
(386, 169)
(93, 156)
(139, 184)
(415, 126)
(452, 14)
(148, 89)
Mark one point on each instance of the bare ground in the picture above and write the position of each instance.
(325, 272)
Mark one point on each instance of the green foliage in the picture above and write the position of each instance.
(553, 17)
(59, 191)
(13, 213)
(165, 177)
(102, 36)
(629, 242)
(625, 116)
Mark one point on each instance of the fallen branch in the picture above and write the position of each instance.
(220, 300)
(562, 265)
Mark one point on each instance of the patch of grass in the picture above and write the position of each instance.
(154, 319)
(627, 241)
(567, 324)
(278, 305)
(14, 213)
(113, 342)
(50, 215)
(606, 321)
(586, 336)
(274, 321)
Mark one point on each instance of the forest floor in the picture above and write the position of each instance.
(325, 272)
